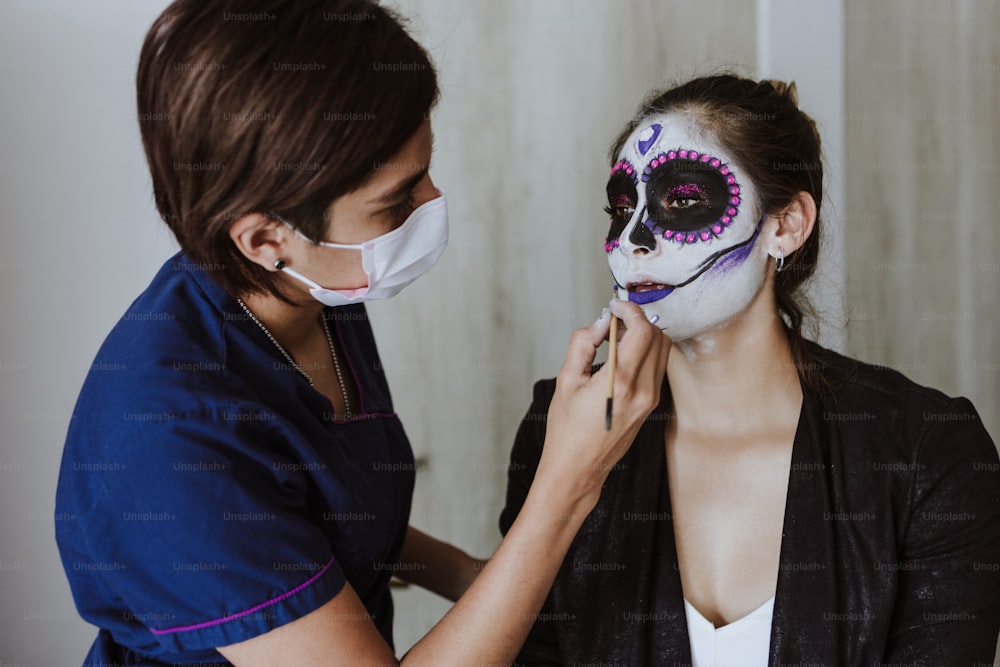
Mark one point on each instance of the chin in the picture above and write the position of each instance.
(705, 310)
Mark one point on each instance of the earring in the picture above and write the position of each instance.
(279, 264)
(780, 261)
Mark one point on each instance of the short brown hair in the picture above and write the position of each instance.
(761, 125)
(272, 106)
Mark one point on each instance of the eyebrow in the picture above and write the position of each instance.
(402, 188)
(397, 192)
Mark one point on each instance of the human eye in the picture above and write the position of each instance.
(686, 195)
(400, 211)
(620, 208)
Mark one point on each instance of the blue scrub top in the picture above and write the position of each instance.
(207, 497)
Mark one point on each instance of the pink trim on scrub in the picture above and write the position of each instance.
(207, 624)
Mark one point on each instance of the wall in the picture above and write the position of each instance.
(923, 157)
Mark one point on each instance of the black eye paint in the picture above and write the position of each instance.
(686, 196)
(622, 197)
(692, 196)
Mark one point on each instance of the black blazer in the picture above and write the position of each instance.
(889, 552)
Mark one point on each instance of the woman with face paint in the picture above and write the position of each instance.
(783, 504)
(238, 482)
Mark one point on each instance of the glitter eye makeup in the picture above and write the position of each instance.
(691, 196)
(690, 192)
(622, 196)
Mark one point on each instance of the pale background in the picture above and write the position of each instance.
(533, 92)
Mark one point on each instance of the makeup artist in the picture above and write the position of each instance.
(240, 484)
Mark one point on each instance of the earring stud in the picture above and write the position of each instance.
(279, 264)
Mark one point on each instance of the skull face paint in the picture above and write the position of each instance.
(682, 240)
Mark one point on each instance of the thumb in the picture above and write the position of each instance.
(583, 345)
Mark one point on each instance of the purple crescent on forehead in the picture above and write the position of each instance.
(648, 138)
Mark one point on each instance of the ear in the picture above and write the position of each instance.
(795, 224)
(260, 239)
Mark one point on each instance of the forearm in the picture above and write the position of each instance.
(490, 622)
(437, 566)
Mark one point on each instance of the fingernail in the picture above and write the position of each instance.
(605, 315)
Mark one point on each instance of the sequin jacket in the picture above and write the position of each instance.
(890, 544)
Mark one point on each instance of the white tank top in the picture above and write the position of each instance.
(742, 643)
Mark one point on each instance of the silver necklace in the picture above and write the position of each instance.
(291, 360)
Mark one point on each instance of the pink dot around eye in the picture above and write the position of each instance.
(682, 154)
(628, 170)
(679, 236)
(734, 190)
(667, 234)
(692, 238)
(715, 162)
(726, 219)
(724, 169)
(705, 236)
(735, 201)
(705, 157)
(731, 211)
(731, 179)
(672, 155)
(717, 228)
(693, 155)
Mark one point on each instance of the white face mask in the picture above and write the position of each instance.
(391, 261)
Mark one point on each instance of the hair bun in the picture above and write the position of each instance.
(785, 88)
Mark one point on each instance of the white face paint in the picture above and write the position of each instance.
(684, 228)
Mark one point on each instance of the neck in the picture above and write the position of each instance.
(738, 378)
(292, 324)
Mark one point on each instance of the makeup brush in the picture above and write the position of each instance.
(612, 360)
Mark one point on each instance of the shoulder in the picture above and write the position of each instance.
(890, 407)
(852, 380)
(170, 354)
(174, 314)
